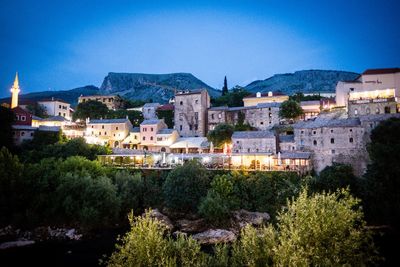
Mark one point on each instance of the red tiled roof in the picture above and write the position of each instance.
(166, 107)
(381, 71)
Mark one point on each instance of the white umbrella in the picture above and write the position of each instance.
(163, 158)
(211, 147)
(187, 147)
(279, 159)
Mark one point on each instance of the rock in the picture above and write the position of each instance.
(155, 214)
(215, 236)
(191, 226)
(19, 243)
(71, 234)
(244, 217)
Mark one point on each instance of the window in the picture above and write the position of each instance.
(237, 142)
(269, 109)
(377, 111)
(92, 126)
(105, 133)
(315, 142)
(355, 112)
(59, 106)
(219, 116)
(151, 129)
(351, 130)
(23, 118)
(92, 132)
(351, 140)
(59, 113)
(333, 151)
(196, 127)
(248, 150)
(261, 122)
(387, 110)
(351, 89)
(181, 116)
(302, 132)
(314, 132)
(159, 138)
(64, 114)
(144, 138)
(212, 116)
(99, 133)
(180, 127)
(22, 133)
(148, 110)
(151, 138)
(332, 140)
(31, 134)
(270, 115)
(116, 128)
(190, 127)
(331, 131)
(196, 115)
(135, 137)
(102, 126)
(196, 101)
(181, 103)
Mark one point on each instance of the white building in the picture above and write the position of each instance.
(110, 132)
(57, 107)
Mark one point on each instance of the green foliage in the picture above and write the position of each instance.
(221, 134)
(225, 88)
(6, 120)
(382, 192)
(73, 147)
(185, 186)
(146, 244)
(241, 126)
(129, 190)
(326, 229)
(234, 98)
(37, 110)
(290, 109)
(335, 177)
(135, 117)
(167, 115)
(42, 139)
(299, 96)
(90, 109)
(131, 103)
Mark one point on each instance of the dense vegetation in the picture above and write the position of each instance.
(221, 134)
(6, 120)
(324, 229)
(233, 98)
(290, 109)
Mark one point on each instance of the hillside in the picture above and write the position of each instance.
(306, 81)
(70, 96)
(157, 87)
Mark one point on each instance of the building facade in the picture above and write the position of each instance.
(190, 114)
(259, 98)
(113, 102)
(254, 142)
(57, 107)
(110, 132)
(149, 111)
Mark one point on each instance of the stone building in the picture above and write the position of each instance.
(333, 140)
(259, 98)
(369, 80)
(286, 143)
(372, 102)
(262, 116)
(110, 132)
(112, 102)
(190, 114)
(149, 110)
(254, 141)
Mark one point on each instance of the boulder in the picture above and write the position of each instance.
(18, 243)
(244, 217)
(155, 214)
(215, 236)
(191, 226)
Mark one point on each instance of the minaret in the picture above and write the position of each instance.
(15, 91)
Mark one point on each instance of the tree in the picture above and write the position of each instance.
(290, 109)
(37, 110)
(167, 115)
(221, 134)
(299, 96)
(146, 244)
(6, 121)
(185, 186)
(383, 174)
(90, 109)
(225, 88)
(234, 98)
(335, 177)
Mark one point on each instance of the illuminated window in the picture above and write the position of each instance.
(355, 112)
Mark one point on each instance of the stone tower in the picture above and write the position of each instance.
(15, 91)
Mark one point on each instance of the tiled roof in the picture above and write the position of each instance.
(326, 122)
(151, 105)
(135, 130)
(55, 118)
(190, 142)
(286, 138)
(52, 100)
(166, 131)
(24, 127)
(378, 117)
(310, 103)
(104, 121)
(192, 92)
(166, 107)
(150, 122)
(381, 71)
(49, 128)
(36, 118)
(295, 155)
(253, 134)
(219, 108)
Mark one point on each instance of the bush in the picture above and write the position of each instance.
(130, 191)
(185, 186)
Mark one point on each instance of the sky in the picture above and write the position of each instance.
(60, 45)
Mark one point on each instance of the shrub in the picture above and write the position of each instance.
(185, 186)
(130, 191)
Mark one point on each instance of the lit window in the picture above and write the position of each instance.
(355, 112)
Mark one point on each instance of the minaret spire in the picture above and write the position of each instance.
(15, 91)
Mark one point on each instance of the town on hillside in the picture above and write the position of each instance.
(326, 131)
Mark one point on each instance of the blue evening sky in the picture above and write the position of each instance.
(60, 45)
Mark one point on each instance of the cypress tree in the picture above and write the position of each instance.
(225, 88)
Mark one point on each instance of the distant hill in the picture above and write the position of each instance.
(157, 87)
(306, 81)
(70, 96)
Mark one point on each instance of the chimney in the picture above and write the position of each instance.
(270, 93)
(258, 94)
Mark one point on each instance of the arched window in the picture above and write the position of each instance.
(351, 140)
(387, 110)
(116, 144)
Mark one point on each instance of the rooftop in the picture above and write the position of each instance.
(310, 103)
(190, 142)
(104, 121)
(381, 71)
(49, 128)
(193, 92)
(166, 131)
(253, 134)
(53, 100)
(149, 105)
(326, 122)
(55, 118)
(135, 130)
(295, 155)
(24, 127)
(166, 107)
(286, 138)
(150, 122)
(266, 94)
